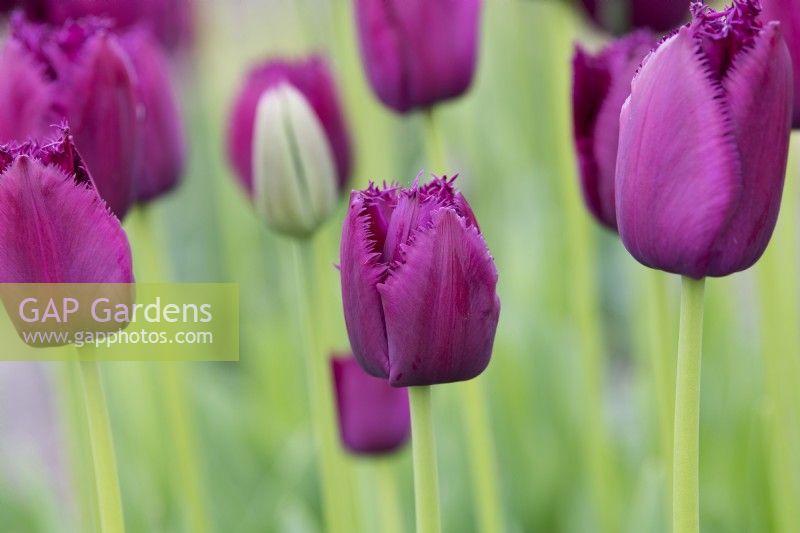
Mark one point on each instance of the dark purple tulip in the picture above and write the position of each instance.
(313, 79)
(418, 285)
(703, 146)
(601, 84)
(620, 16)
(82, 74)
(788, 13)
(54, 228)
(163, 142)
(418, 52)
(373, 416)
(172, 21)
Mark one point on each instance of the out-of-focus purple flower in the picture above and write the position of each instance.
(418, 52)
(312, 78)
(703, 145)
(601, 84)
(373, 416)
(620, 16)
(172, 21)
(79, 73)
(418, 285)
(54, 228)
(787, 12)
(163, 141)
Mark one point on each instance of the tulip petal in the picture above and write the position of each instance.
(759, 88)
(102, 116)
(26, 98)
(56, 230)
(361, 271)
(678, 174)
(374, 417)
(440, 306)
(788, 13)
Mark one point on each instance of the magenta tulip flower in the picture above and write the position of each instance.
(788, 13)
(171, 21)
(417, 53)
(622, 16)
(373, 416)
(163, 141)
(418, 285)
(312, 78)
(703, 145)
(54, 228)
(82, 74)
(601, 84)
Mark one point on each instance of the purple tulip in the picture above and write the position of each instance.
(601, 84)
(703, 144)
(163, 142)
(620, 16)
(54, 228)
(172, 21)
(418, 285)
(373, 416)
(418, 52)
(312, 78)
(788, 13)
(79, 73)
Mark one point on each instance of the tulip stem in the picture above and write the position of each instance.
(686, 451)
(320, 391)
(109, 499)
(391, 519)
(426, 476)
(434, 143)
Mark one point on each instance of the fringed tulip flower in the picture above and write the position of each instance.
(163, 149)
(172, 21)
(417, 53)
(373, 416)
(787, 12)
(601, 84)
(418, 285)
(54, 228)
(620, 16)
(82, 74)
(310, 77)
(703, 144)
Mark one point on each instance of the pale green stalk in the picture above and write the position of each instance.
(109, 499)
(320, 391)
(686, 459)
(391, 519)
(426, 475)
(480, 442)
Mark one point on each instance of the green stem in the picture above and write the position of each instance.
(109, 500)
(426, 476)
(320, 391)
(434, 144)
(391, 518)
(485, 483)
(686, 458)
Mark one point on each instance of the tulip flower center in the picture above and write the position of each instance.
(723, 34)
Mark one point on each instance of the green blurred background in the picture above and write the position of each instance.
(246, 425)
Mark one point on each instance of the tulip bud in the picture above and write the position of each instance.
(601, 84)
(294, 171)
(163, 142)
(54, 228)
(418, 52)
(704, 140)
(373, 416)
(314, 81)
(171, 21)
(84, 76)
(620, 16)
(418, 285)
(787, 12)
